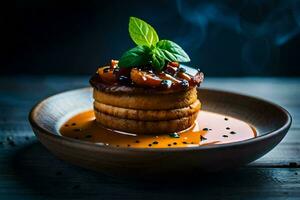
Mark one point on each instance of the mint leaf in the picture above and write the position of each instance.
(149, 48)
(158, 62)
(142, 33)
(172, 51)
(135, 57)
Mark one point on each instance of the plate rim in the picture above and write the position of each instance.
(267, 135)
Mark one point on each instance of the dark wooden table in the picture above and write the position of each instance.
(29, 171)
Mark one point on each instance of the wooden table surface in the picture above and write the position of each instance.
(29, 171)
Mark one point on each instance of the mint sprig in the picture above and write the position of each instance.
(150, 49)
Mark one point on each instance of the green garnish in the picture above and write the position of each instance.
(150, 49)
(142, 33)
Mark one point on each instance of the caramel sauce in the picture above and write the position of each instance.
(209, 129)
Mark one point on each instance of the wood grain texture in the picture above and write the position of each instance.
(28, 171)
(49, 178)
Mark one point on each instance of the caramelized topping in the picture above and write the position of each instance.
(184, 76)
(171, 77)
(165, 76)
(107, 74)
(143, 78)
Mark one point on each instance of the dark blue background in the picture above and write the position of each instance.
(223, 38)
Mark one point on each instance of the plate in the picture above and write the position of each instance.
(270, 121)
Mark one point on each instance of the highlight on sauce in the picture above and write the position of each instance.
(209, 129)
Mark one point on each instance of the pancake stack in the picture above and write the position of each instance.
(144, 111)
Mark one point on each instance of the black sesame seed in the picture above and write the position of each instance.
(77, 129)
(169, 145)
(149, 145)
(225, 135)
(137, 141)
(226, 119)
(227, 128)
(73, 124)
(88, 136)
(184, 84)
(232, 132)
(210, 129)
(66, 125)
(155, 142)
(184, 142)
(128, 145)
(205, 129)
(175, 143)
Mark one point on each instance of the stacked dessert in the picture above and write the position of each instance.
(147, 91)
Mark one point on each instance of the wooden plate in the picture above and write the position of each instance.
(271, 121)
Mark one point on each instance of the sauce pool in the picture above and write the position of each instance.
(209, 129)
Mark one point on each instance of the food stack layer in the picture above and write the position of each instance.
(137, 110)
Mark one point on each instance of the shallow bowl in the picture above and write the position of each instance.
(270, 120)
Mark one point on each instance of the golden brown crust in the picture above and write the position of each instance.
(147, 115)
(145, 127)
(147, 101)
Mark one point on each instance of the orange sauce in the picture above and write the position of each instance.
(209, 129)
